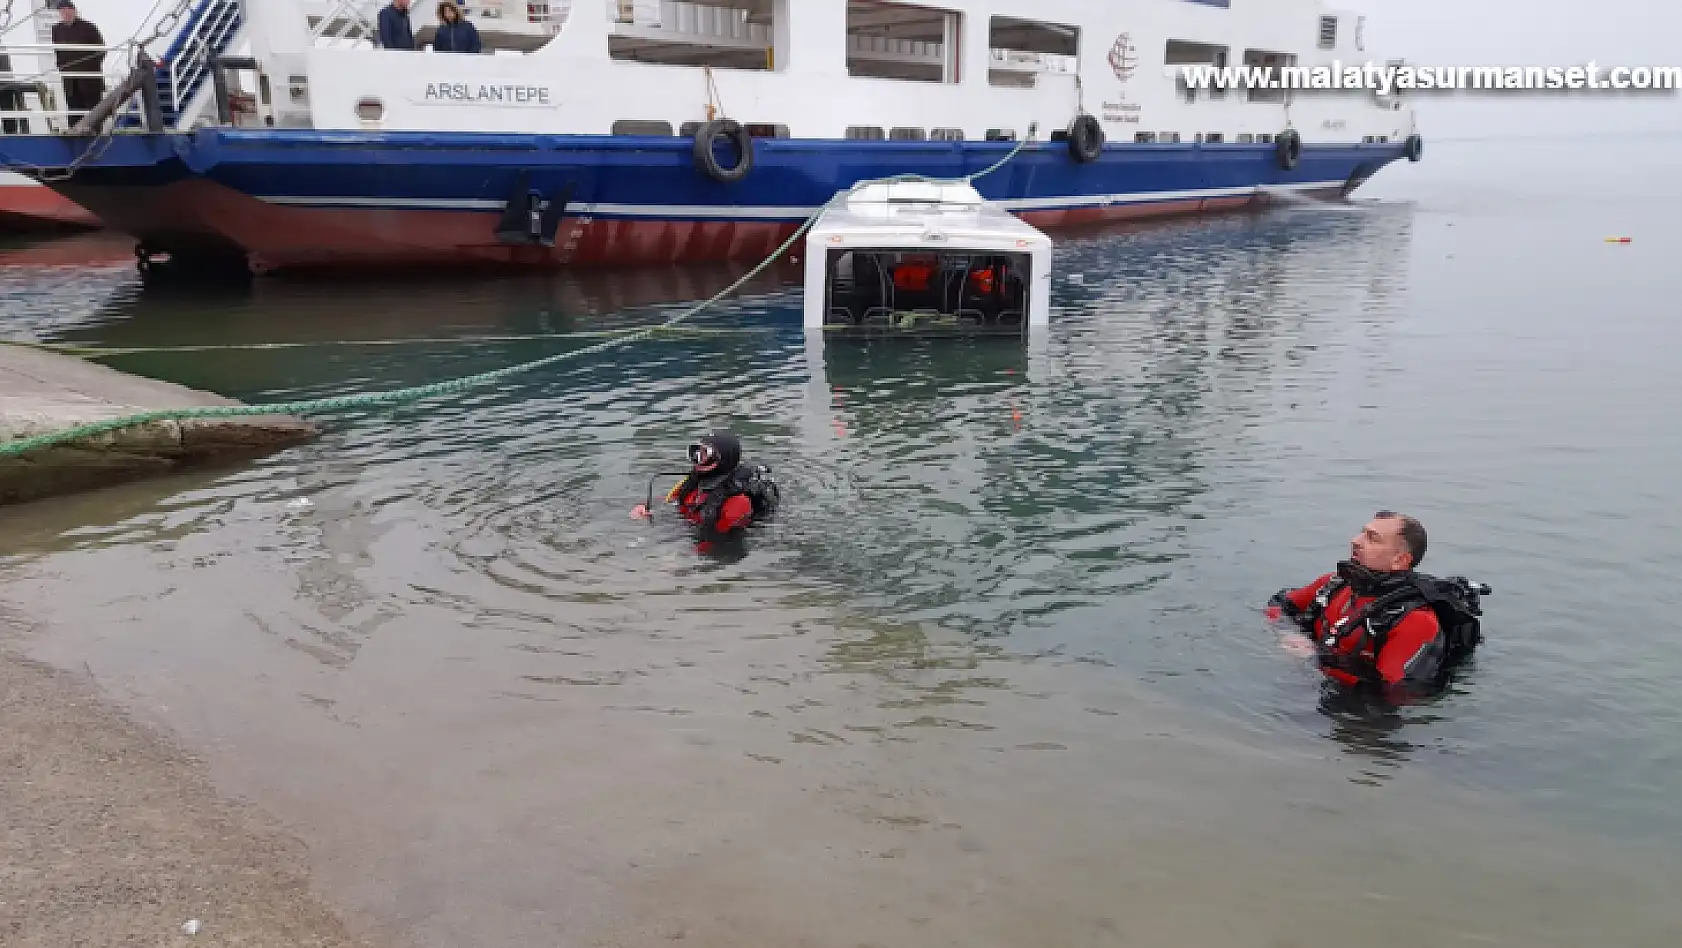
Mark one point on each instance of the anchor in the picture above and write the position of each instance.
(529, 217)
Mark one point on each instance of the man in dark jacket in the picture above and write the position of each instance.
(396, 32)
(81, 93)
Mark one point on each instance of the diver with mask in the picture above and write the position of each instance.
(1379, 622)
(720, 493)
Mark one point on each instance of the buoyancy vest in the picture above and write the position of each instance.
(1455, 600)
(752, 481)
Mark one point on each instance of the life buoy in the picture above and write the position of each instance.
(1415, 147)
(1288, 148)
(1086, 138)
(708, 163)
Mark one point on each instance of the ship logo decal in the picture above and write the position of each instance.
(1124, 58)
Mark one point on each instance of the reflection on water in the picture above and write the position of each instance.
(998, 658)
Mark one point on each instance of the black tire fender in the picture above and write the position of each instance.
(708, 163)
(1287, 147)
(1415, 147)
(1086, 138)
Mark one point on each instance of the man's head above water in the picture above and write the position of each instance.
(1390, 542)
(718, 452)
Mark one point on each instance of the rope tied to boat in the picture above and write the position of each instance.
(20, 446)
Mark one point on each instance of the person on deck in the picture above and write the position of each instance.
(455, 33)
(1368, 621)
(81, 93)
(721, 494)
(395, 30)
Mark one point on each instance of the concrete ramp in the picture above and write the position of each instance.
(43, 392)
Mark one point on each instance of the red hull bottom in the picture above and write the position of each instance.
(34, 207)
(198, 218)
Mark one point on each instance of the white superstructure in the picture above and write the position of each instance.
(799, 68)
(823, 68)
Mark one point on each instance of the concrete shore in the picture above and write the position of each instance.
(42, 392)
(112, 836)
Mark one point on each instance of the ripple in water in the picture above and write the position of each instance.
(1218, 405)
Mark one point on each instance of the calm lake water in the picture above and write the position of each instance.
(998, 673)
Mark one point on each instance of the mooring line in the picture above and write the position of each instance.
(21, 446)
(95, 352)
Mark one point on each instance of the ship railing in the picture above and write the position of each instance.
(345, 21)
(32, 96)
(680, 19)
(208, 34)
(548, 15)
(353, 23)
(1015, 60)
(891, 49)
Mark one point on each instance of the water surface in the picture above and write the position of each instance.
(997, 674)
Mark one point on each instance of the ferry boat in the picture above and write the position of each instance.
(614, 132)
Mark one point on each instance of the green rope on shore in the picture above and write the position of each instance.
(21, 446)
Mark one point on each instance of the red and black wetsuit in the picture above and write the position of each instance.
(734, 511)
(1408, 650)
(729, 494)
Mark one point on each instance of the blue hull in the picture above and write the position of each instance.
(283, 198)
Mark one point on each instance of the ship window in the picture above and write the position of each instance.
(688, 129)
(765, 130)
(1144, 138)
(689, 34)
(867, 132)
(907, 134)
(1180, 52)
(1328, 32)
(1021, 51)
(1246, 138)
(641, 127)
(370, 109)
(1173, 137)
(899, 41)
(1001, 134)
(1271, 60)
(947, 134)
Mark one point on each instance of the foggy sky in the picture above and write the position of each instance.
(1530, 33)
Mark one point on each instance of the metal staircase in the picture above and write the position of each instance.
(211, 28)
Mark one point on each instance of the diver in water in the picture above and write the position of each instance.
(720, 493)
(1379, 622)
